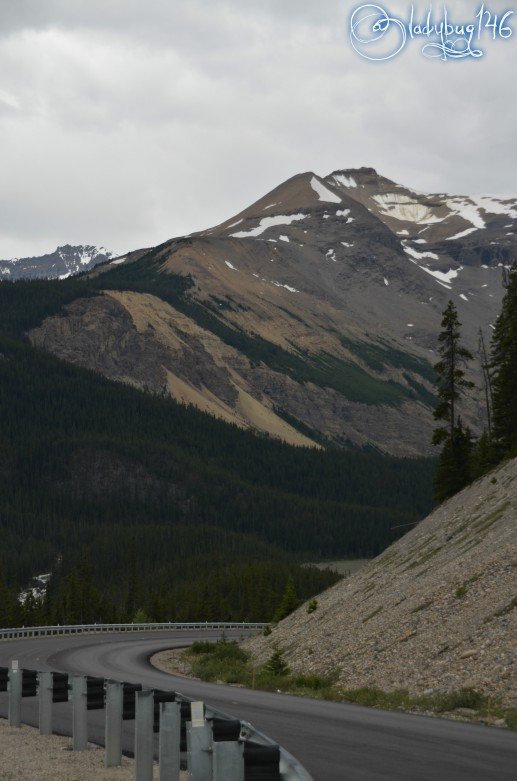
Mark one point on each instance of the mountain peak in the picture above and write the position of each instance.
(65, 261)
(357, 177)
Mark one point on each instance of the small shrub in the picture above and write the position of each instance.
(141, 617)
(511, 718)
(312, 606)
(465, 698)
(276, 664)
(267, 631)
(201, 647)
(376, 698)
(460, 592)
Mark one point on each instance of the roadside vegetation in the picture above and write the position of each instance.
(228, 663)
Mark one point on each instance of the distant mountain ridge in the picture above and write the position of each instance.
(65, 261)
(312, 315)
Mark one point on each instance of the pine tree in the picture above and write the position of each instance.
(276, 664)
(454, 466)
(504, 366)
(487, 381)
(289, 602)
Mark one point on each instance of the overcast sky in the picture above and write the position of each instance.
(124, 123)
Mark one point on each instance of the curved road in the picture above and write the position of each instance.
(334, 741)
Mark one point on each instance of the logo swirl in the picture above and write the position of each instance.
(369, 25)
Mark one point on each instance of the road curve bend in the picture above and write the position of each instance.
(334, 741)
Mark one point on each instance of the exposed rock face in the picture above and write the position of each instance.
(64, 262)
(436, 611)
(312, 315)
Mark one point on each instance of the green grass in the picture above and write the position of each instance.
(372, 615)
(227, 662)
(483, 709)
(423, 559)
(423, 606)
(504, 611)
(488, 520)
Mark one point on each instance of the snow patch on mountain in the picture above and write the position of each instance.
(467, 210)
(270, 222)
(462, 235)
(419, 255)
(345, 181)
(402, 207)
(324, 194)
(287, 287)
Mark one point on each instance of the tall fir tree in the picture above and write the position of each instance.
(454, 465)
(504, 367)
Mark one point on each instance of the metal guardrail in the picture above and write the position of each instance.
(208, 758)
(19, 633)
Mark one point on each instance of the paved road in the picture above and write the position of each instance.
(334, 741)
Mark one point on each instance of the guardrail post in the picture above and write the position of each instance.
(144, 736)
(170, 736)
(45, 687)
(79, 713)
(15, 696)
(228, 761)
(199, 745)
(113, 741)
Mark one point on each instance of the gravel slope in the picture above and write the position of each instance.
(435, 612)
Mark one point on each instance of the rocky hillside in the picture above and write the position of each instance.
(312, 315)
(435, 612)
(62, 263)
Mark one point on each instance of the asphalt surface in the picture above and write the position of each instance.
(334, 741)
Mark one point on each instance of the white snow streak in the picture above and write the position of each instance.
(287, 287)
(270, 222)
(419, 255)
(324, 194)
(345, 181)
(462, 234)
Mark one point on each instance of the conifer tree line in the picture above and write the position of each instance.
(141, 507)
(463, 459)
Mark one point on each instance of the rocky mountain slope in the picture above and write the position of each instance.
(62, 263)
(312, 315)
(434, 612)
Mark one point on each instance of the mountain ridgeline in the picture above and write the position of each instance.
(311, 316)
(307, 320)
(64, 262)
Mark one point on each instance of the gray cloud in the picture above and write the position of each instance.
(125, 123)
